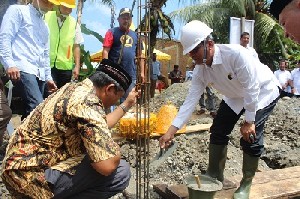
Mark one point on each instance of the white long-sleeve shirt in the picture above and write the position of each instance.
(24, 41)
(243, 80)
(296, 80)
(283, 78)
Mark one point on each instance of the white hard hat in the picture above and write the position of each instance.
(192, 34)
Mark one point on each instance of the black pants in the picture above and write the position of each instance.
(285, 94)
(87, 183)
(61, 77)
(225, 121)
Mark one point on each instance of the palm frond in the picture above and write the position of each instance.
(263, 27)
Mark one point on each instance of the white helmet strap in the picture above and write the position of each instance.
(205, 53)
(205, 49)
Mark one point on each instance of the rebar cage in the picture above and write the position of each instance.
(142, 108)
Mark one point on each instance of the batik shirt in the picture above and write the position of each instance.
(57, 134)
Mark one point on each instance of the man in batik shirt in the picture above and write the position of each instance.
(64, 148)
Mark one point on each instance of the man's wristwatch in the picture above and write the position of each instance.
(124, 108)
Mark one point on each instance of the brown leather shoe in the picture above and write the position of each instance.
(227, 184)
(213, 114)
(200, 112)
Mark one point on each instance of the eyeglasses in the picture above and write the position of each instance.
(196, 48)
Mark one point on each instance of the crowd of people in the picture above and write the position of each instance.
(64, 148)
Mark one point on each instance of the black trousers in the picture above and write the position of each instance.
(87, 183)
(61, 77)
(225, 121)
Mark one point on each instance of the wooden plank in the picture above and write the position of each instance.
(198, 127)
(189, 129)
(177, 191)
(161, 190)
(273, 184)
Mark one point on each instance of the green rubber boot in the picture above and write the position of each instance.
(250, 164)
(217, 159)
(216, 165)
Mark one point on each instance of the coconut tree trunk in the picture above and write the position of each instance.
(79, 11)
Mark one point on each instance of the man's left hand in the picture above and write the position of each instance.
(51, 86)
(76, 72)
(248, 132)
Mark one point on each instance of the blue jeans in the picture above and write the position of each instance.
(225, 121)
(32, 90)
(211, 104)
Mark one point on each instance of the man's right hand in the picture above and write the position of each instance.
(13, 73)
(131, 98)
(165, 140)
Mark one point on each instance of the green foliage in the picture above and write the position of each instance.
(85, 58)
(158, 21)
(87, 31)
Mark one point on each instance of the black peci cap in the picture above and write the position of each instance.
(116, 72)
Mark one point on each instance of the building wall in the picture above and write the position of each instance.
(173, 48)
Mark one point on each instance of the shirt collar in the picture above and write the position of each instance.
(35, 10)
(217, 59)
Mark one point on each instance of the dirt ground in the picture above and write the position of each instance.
(282, 144)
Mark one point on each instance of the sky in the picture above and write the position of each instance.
(97, 17)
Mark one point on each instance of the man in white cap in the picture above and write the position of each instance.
(288, 14)
(248, 86)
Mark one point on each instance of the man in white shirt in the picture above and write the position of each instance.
(244, 41)
(246, 89)
(284, 77)
(295, 83)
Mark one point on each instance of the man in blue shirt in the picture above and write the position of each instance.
(24, 50)
(122, 43)
(155, 74)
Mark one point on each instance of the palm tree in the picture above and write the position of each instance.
(268, 33)
(158, 20)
